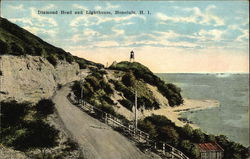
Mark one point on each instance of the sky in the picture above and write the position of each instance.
(175, 37)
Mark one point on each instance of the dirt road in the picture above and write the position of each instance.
(97, 140)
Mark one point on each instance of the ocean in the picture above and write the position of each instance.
(231, 90)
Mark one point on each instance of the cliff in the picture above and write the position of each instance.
(30, 68)
(31, 78)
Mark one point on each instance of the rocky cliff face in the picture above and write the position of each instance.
(30, 78)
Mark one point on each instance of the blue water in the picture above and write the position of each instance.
(231, 90)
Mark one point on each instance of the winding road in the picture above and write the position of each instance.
(97, 140)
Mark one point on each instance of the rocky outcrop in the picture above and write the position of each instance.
(30, 78)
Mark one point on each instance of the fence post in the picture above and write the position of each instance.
(172, 156)
(163, 148)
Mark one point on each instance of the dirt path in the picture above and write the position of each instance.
(97, 140)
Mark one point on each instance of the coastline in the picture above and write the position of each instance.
(174, 113)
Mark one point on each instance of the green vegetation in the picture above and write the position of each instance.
(185, 138)
(45, 107)
(19, 42)
(12, 113)
(127, 86)
(23, 133)
(126, 103)
(170, 91)
(96, 91)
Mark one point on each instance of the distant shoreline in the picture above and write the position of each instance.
(174, 113)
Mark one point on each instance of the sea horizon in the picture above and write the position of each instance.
(231, 90)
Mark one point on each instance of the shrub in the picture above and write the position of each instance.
(169, 134)
(69, 58)
(143, 101)
(107, 88)
(40, 136)
(93, 81)
(12, 113)
(45, 107)
(71, 145)
(38, 51)
(29, 50)
(4, 47)
(16, 49)
(128, 79)
(198, 136)
(52, 59)
(107, 109)
(108, 100)
(126, 103)
(187, 132)
(148, 127)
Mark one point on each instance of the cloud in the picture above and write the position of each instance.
(213, 34)
(76, 38)
(48, 7)
(110, 6)
(42, 19)
(98, 19)
(118, 32)
(243, 36)
(107, 43)
(157, 39)
(77, 6)
(164, 17)
(37, 30)
(22, 20)
(197, 16)
(90, 32)
(87, 35)
(18, 7)
(97, 7)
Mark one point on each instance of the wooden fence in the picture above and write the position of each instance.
(162, 148)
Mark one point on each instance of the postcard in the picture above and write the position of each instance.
(124, 79)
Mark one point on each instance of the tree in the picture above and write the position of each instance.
(12, 113)
(189, 149)
(211, 138)
(169, 134)
(198, 136)
(40, 136)
(128, 79)
(187, 131)
(148, 127)
(45, 107)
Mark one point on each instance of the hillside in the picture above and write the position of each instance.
(16, 41)
(31, 68)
